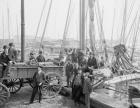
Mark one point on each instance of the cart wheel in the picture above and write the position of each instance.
(52, 85)
(4, 94)
(30, 81)
(14, 85)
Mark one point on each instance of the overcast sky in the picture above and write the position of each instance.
(57, 19)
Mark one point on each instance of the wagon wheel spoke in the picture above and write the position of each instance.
(52, 85)
(14, 88)
(46, 90)
(45, 87)
(55, 87)
(4, 94)
(14, 85)
(10, 89)
(50, 92)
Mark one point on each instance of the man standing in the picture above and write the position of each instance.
(74, 56)
(80, 56)
(40, 57)
(87, 89)
(12, 53)
(102, 62)
(77, 87)
(69, 71)
(4, 59)
(38, 80)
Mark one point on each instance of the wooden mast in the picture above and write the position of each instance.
(3, 26)
(123, 32)
(91, 4)
(17, 31)
(82, 24)
(135, 38)
(8, 23)
(22, 32)
(66, 28)
(45, 2)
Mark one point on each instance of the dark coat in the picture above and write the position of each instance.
(92, 62)
(101, 64)
(4, 58)
(77, 90)
(38, 78)
(12, 54)
(40, 58)
(69, 69)
(74, 57)
(87, 87)
(80, 58)
(85, 69)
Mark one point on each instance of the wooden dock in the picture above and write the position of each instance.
(105, 101)
(99, 100)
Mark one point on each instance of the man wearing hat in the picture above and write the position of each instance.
(38, 80)
(32, 59)
(40, 57)
(4, 59)
(92, 62)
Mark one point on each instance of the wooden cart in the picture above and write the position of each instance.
(22, 73)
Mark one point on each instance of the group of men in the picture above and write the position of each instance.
(77, 72)
(79, 75)
(39, 76)
(8, 55)
(39, 58)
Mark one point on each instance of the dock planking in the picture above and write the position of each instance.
(99, 100)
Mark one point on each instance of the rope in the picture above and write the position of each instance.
(46, 22)
(66, 26)
(45, 2)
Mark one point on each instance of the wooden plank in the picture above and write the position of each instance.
(106, 101)
(123, 78)
(22, 73)
(13, 72)
(136, 102)
(30, 72)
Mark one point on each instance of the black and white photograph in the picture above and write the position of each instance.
(69, 54)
